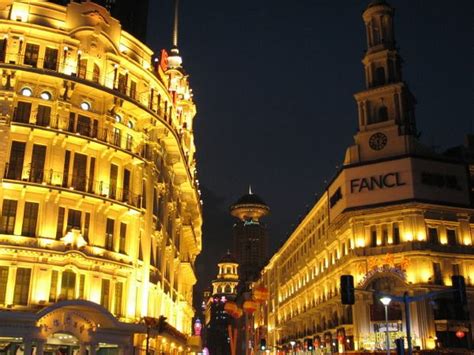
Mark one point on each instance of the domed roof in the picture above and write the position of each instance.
(250, 199)
(377, 2)
(228, 258)
(249, 206)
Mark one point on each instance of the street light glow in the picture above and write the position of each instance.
(385, 300)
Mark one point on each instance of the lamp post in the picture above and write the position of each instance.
(386, 301)
(292, 343)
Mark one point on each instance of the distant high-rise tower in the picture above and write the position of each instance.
(133, 15)
(250, 235)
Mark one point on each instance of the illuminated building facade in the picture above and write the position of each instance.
(250, 235)
(100, 213)
(397, 216)
(216, 320)
(132, 15)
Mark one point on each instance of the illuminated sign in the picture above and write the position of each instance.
(388, 180)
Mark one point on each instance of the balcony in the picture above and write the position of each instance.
(72, 182)
(108, 136)
(414, 246)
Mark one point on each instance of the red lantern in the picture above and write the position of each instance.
(250, 307)
(460, 334)
(260, 293)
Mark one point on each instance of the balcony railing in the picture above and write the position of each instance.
(75, 182)
(106, 135)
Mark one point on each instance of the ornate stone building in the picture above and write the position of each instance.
(216, 320)
(100, 213)
(397, 216)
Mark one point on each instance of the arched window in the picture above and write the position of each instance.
(228, 289)
(96, 73)
(379, 76)
(382, 114)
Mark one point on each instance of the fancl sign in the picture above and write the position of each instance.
(384, 181)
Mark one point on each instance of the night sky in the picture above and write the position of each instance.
(274, 84)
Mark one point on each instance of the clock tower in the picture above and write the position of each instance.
(386, 107)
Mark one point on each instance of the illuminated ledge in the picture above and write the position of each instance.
(73, 191)
(67, 133)
(30, 246)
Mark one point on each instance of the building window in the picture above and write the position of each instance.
(438, 277)
(433, 235)
(384, 235)
(22, 112)
(38, 158)
(118, 299)
(382, 114)
(16, 161)
(82, 282)
(456, 270)
(73, 219)
(116, 136)
(31, 54)
(67, 161)
(379, 76)
(60, 229)
(53, 290)
(113, 181)
(105, 293)
(96, 73)
(50, 58)
(109, 234)
(3, 49)
(123, 238)
(83, 126)
(82, 72)
(133, 89)
(22, 286)
(373, 237)
(79, 170)
(7, 221)
(3, 283)
(43, 118)
(87, 221)
(396, 234)
(30, 218)
(68, 285)
(122, 83)
(451, 234)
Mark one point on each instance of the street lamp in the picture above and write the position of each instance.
(386, 301)
(292, 343)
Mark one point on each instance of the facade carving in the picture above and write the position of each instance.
(100, 209)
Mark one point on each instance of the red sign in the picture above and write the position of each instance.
(164, 60)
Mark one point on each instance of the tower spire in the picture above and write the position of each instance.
(175, 24)
(250, 190)
(174, 59)
(386, 106)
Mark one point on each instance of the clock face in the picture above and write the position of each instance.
(377, 141)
